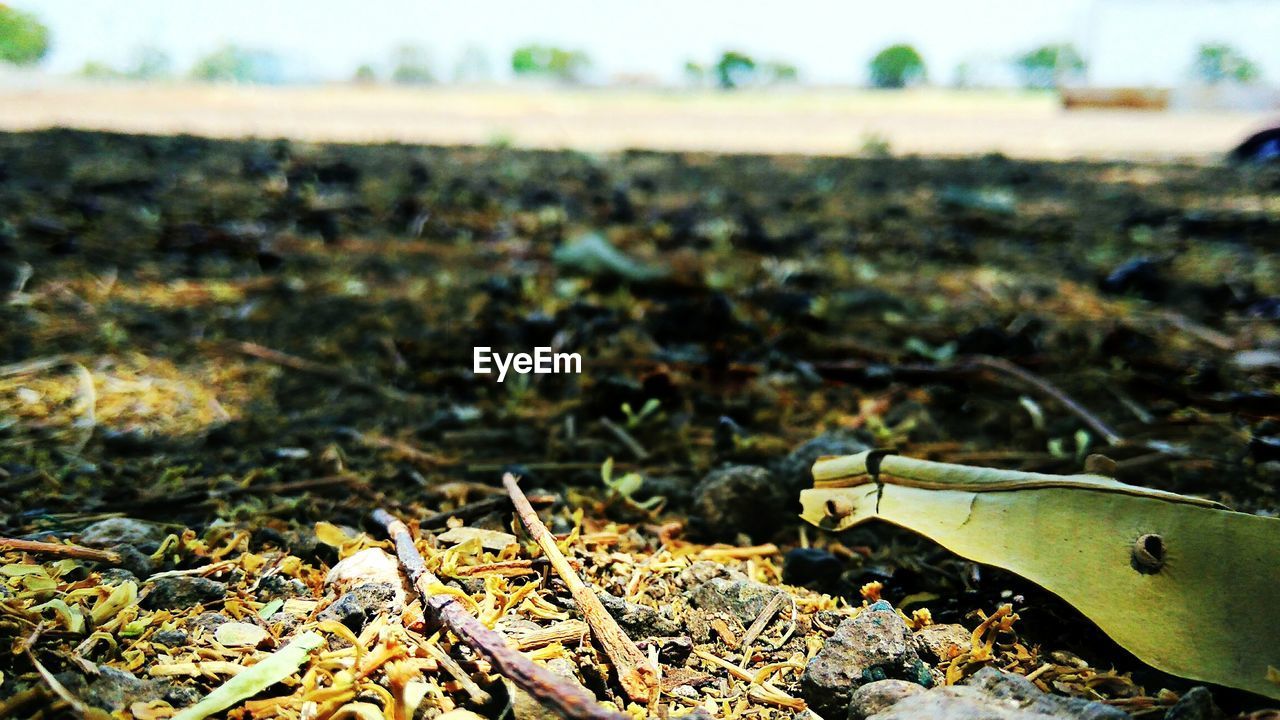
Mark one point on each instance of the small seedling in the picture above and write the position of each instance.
(647, 411)
(628, 485)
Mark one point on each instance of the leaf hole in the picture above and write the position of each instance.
(1148, 554)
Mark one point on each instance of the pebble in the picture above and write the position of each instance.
(356, 607)
(639, 621)
(738, 499)
(371, 565)
(143, 535)
(805, 566)
(239, 634)
(1196, 704)
(795, 471)
(993, 694)
(741, 598)
(879, 695)
(874, 645)
(183, 591)
(936, 643)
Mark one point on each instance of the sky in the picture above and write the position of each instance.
(1129, 42)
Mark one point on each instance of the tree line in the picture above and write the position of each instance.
(25, 41)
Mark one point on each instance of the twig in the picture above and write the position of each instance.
(26, 367)
(967, 368)
(1044, 387)
(637, 677)
(625, 438)
(79, 552)
(480, 508)
(565, 697)
(310, 366)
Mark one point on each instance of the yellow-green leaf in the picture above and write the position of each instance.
(1185, 585)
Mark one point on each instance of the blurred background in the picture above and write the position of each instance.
(1078, 78)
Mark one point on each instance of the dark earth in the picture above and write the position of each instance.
(275, 334)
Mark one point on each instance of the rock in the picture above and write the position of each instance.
(795, 471)
(170, 638)
(283, 623)
(936, 643)
(875, 645)
(362, 603)
(206, 623)
(737, 499)
(239, 634)
(1196, 704)
(112, 689)
(275, 586)
(993, 694)
(879, 695)
(671, 650)
(742, 599)
(640, 621)
(805, 566)
(142, 535)
(703, 570)
(183, 591)
(134, 560)
(117, 576)
(371, 565)
(1139, 276)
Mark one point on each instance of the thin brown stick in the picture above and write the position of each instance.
(636, 675)
(480, 508)
(79, 552)
(565, 697)
(311, 366)
(1045, 387)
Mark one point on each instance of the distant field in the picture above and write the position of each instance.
(935, 122)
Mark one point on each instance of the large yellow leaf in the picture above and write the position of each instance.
(1185, 585)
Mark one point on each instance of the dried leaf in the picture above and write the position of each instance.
(267, 672)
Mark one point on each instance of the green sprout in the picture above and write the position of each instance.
(628, 485)
(648, 410)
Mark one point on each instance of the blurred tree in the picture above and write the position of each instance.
(97, 70)
(472, 66)
(150, 63)
(24, 40)
(550, 62)
(776, 72)
(1048, 65)
(735, 69)
(897, 66)
(364, 75)
(695, 73)
(411, 65)
(234, 64)
(1216, 63)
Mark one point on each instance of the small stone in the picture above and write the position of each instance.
(239, 634)
(738, 499)
(206, 623)
(993, 694)
(1196, 704)
(875, 645)
(115, 531)
(356, 607)
(795, 471)
(805, 566)
(639, 621)
(133, 560)
(283, 623)
(879, 695)
(741, 599)
(112, 689)
(371, 565)
(275, 586)
(170, 638)
(671, 650)
(937, 643)
(183, 591)
(703, 570)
